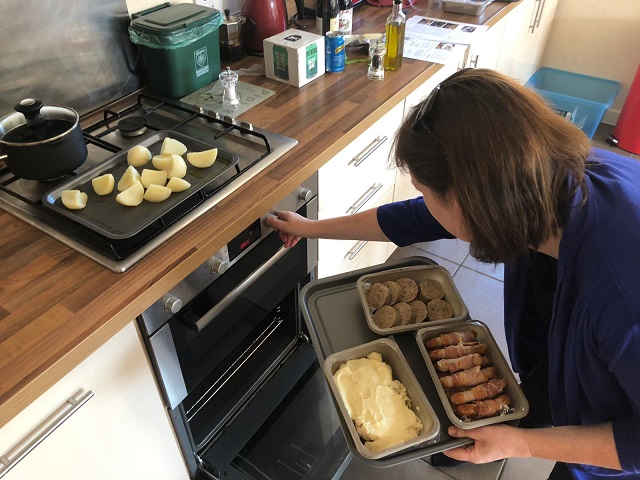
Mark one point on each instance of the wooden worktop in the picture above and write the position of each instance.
(57, 306)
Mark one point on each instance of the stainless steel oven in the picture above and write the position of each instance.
(241, 380)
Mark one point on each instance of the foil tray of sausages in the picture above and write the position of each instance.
(392, 356)
(409, 298)
(471, 375)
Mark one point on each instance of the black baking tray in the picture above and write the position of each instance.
(106, 216)
(335, 319)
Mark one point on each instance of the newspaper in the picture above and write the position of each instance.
(439, 41)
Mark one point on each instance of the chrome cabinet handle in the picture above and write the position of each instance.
(474, 62)
(534, 17)
(363, 155)
(46, 428)
(351, 254)
(540, 13)
(366, 196)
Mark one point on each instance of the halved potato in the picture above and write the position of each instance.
(103, 185)
(178, 184)
(177, 167)
(132, 196)
(129, 177)
(153, 177)
(202, 159)
(161, 162)
(74, 199)
(170, 145)
(157, 193)
(138, 156)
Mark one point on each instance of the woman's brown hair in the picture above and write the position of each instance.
(511, 162)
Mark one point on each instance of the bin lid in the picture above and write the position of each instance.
(174, 19)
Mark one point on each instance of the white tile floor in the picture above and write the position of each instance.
(481, 287)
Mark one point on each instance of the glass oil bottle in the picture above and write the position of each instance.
(396, 23)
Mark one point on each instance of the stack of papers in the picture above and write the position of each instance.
(439, 41)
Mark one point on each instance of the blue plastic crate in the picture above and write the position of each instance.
(580, 98)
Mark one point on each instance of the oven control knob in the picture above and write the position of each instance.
(305, 194)
(217, 265)
(172, 304)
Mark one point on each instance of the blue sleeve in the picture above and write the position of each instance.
(409, 222)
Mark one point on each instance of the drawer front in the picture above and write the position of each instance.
(364, 162)
(339, 256)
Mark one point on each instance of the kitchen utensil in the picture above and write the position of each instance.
(42, 142)
(230, 48)
(263, 19)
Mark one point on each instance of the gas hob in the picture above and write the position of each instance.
(120, 126)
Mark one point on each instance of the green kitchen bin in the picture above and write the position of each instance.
(179, 45)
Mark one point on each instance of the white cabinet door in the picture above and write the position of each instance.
(122, 432)
(484, 52)
(525, 36)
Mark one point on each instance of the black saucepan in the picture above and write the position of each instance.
(42, 142)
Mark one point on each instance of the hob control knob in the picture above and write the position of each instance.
(218, 265)
(305, 194)
(172, 304)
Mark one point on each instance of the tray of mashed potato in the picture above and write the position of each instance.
(408, 298)
(383, 404)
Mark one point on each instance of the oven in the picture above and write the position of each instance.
(245, 392)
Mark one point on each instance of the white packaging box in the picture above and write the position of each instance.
(294, 56)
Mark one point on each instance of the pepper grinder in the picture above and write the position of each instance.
(377, 52)
(230, 97)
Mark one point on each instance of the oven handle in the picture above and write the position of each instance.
(236, 292)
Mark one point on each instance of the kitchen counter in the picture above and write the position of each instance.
(57, 306)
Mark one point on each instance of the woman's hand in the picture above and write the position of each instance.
(490, 443)
(291, 227)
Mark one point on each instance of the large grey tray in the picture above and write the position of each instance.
(109, 218)
(336, 321)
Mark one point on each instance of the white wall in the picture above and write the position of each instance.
(598, 38)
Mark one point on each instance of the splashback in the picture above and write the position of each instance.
(74, 53)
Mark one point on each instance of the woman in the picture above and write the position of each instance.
(500, 170)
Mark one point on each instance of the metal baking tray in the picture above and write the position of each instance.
(392, 356)
(109, 218)
(336, 321)
(465, 7)
(519, 403)
(416, 273)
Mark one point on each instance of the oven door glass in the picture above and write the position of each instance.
(290, 430)
(225, 361)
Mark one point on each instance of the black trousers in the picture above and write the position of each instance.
(536, 390)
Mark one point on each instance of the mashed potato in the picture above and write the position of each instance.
(377, 404)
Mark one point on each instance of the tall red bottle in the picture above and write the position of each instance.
(626, 133)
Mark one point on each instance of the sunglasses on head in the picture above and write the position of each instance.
(419, 122)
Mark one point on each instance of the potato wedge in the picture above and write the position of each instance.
(153, 177)
(178, 184)
(177, 167)
(138, 156)
(132, 196)
(103, 185)
(161, 162)
(170, 145)
(129, 177)
(157, 193)
(74, 199)
(202, 159)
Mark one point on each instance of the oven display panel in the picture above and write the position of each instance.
(243, 241)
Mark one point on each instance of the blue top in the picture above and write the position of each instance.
(594, 335)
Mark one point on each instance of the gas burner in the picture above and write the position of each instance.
(133, 126)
